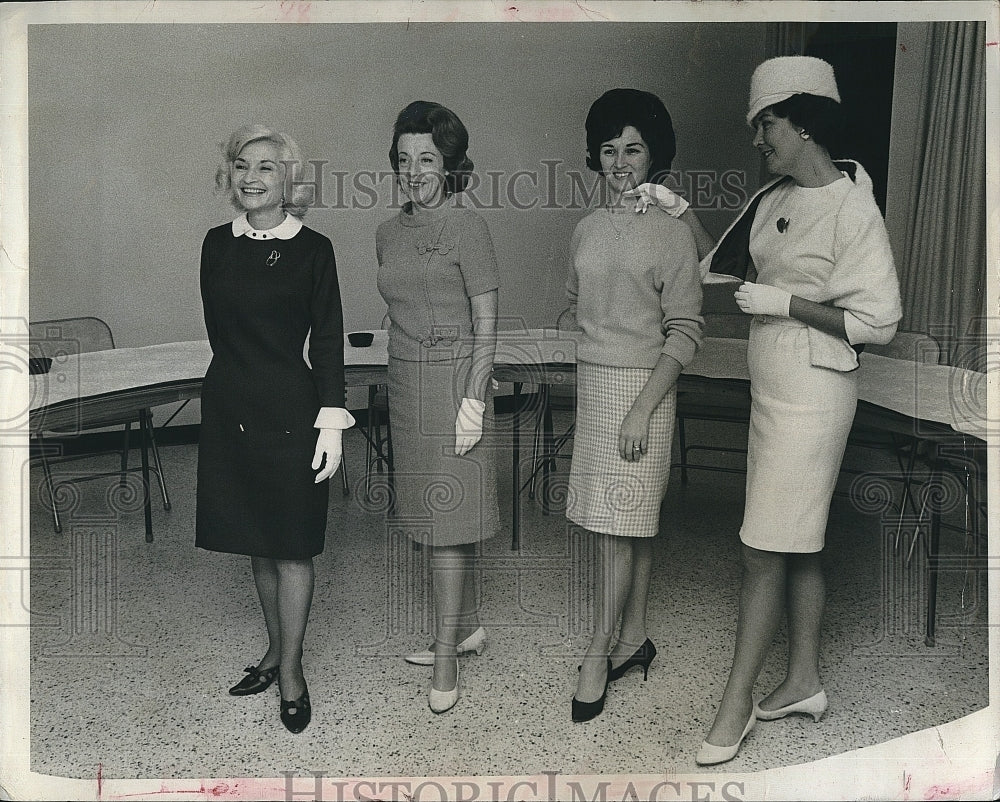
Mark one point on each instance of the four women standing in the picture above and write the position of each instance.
(825, 284)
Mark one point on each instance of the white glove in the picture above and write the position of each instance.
(329, 445)
(468, 425)
(762, 299)
(657, 195)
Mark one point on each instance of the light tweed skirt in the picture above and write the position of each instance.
(800, 417)
(440, 499)
(607, 494)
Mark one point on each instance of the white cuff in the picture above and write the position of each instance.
(334, 418)
(475, 403)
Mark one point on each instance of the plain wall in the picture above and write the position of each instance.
(125, 123)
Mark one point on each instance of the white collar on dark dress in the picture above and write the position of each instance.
(286, 229)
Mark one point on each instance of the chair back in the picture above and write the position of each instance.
(69, 335)
(912, 345)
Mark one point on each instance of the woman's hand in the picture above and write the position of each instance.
(633, 436)
(762, 299)
(468, 425)
(329, 446)
(657, 195)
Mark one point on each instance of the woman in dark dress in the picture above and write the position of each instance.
(271, 425)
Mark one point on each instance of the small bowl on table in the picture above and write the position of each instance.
(360, 339)
(39, 364)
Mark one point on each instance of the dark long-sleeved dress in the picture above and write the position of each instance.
(256, 489)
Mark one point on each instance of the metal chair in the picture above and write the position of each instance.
(716, 406)
(79, 335)
(546, 446)
(865, 433)
(378, 430)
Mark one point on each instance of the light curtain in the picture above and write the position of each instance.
(943, 266)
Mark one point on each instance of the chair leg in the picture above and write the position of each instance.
(683, 449)
(370, 427)
(548, 447)
(158, 466)
(538, 442)
(47, 471)
(144, 428)
(125, 451)
(388, 444)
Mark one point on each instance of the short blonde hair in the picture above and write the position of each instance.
(298, 196)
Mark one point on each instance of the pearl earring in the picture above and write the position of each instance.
(803, 134)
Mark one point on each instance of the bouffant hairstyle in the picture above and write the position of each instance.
(298, 196)
(820, 117)
(645, 112)
(448, 133)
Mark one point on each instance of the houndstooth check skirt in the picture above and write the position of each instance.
(606, 493)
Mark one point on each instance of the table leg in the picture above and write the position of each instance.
(515, 427)
(548, 452)
(144, 425)
(933, 546)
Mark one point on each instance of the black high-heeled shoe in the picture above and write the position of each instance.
(256, 682)
(585, 711)
(643, 657)
(299, 719)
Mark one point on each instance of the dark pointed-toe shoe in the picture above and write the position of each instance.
(295, 715)
(643, 657)
(255, 681)
(585, 711)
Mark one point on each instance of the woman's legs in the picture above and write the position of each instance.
(265, 577)
(761, 601)
(614, 577)
(633, 629)
(804, 605)
(468, 616)
(451, 569)
(295, 589)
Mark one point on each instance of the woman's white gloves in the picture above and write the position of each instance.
(329, 446)
(647, 195)
(469, 425)
(762, 299)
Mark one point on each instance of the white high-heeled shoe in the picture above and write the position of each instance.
(476, 642)
(440, 701)
(710, 754)
(814, 706)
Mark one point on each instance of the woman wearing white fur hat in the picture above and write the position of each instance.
(825, 285)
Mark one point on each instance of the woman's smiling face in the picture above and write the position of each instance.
(421, 169)
(625, 160)
(257, 175)
(779, 142)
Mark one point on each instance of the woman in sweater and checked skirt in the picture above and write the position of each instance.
(635, 290)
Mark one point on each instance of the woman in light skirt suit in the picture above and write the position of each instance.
(438, 275)
(635, 290)
(826, 284)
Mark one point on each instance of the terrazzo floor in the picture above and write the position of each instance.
(134, 644)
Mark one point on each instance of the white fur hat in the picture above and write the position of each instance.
(779, 78)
